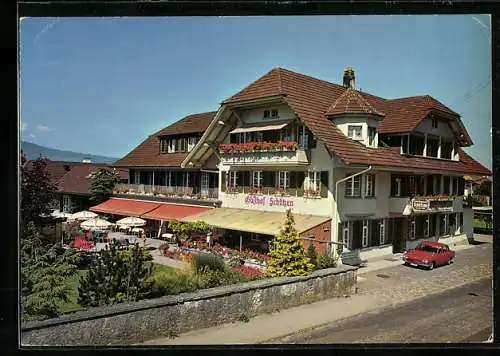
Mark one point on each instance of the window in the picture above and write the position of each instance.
(364, 236)
(232, 178)
(432, 146)
(181, 145)
(171, 145)
(405, 143)
(372, 132)
(398, 183)
(435, 123)
(274, 114)
(354, 132)
(257, 179)
(412, 188)
(191, 143)
(283, 179)
(314, 180)
(286, 133)
(163, 145)
(382, 231)
(446, 185)
(446, 148)
(266, 113)
(417, 144)
(454, 189)
(369, 185)
(353, 186)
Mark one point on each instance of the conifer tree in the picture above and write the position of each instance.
(287, 253)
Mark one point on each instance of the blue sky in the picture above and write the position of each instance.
(102, 85)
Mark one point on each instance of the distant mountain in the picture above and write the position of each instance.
(33, 151)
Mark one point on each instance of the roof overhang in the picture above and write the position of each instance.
(255, 127)
(275, 99)
(256, 221)
(415, 170)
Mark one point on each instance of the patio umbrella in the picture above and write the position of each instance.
(96, 224)
(131, 221)
(83, 215)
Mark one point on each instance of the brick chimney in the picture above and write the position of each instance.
(349, 78)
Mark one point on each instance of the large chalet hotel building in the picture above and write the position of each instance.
(371, 173)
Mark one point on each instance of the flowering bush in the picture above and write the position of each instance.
(435, 197)
(187, 257)
(257, 146)
(248, 272)
(255, 190)
(231, 190)
(280, 192)
(311, 192)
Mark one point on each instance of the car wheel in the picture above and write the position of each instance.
(406, 264)
(431, 267)
(450, 261)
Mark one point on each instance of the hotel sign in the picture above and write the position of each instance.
(432, 205)
(263, 200)
(420, 205)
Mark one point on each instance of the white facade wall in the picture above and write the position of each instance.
(443, 128)
(257, 115)
(343, 124)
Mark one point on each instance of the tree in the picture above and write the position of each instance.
(287, 253)
(183, 230)
(44, 272)
(312, 254)
(102, 183)
(483, 189)
(117, 276)
(37, 192)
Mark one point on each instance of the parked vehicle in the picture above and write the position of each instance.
(429, 254)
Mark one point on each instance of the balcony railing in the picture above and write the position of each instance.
(167, 191)
(288, 192)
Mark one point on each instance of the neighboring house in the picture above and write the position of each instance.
(368, 172)
(72, 183)
(472, 183)
(74, 186)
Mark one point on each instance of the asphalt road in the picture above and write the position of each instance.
(448, 304)
(463, 314)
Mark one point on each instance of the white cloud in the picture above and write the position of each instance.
(24, 126)
(33, 136)
(43, 128)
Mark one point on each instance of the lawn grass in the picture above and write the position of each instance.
(72, 305)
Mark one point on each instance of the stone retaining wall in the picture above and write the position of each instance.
(125, 324)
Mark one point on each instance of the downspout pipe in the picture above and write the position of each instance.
(337, 191)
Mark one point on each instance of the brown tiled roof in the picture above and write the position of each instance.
(310, 98)
(404, 114)
(76, 181)
(269, 84)
(147, 153)
(352, 102)
(56, 169)
(196, 123)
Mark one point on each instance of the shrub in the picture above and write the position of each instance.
(312, 254)
(202, 262)
(173, 282)
(326, 260)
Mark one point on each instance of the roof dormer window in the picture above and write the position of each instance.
(434, 123)
(355, 132)
(266, 114)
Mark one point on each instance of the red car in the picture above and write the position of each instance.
(429, 254)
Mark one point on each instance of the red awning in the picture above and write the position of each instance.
(125, 207)
(173, 211)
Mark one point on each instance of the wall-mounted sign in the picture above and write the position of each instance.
(266, 200)
(420, 205)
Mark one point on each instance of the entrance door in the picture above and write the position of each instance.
(398, 233)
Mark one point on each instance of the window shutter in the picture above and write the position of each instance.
(223, 180)
(461, 186)
(373, 233)
(357, 230)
